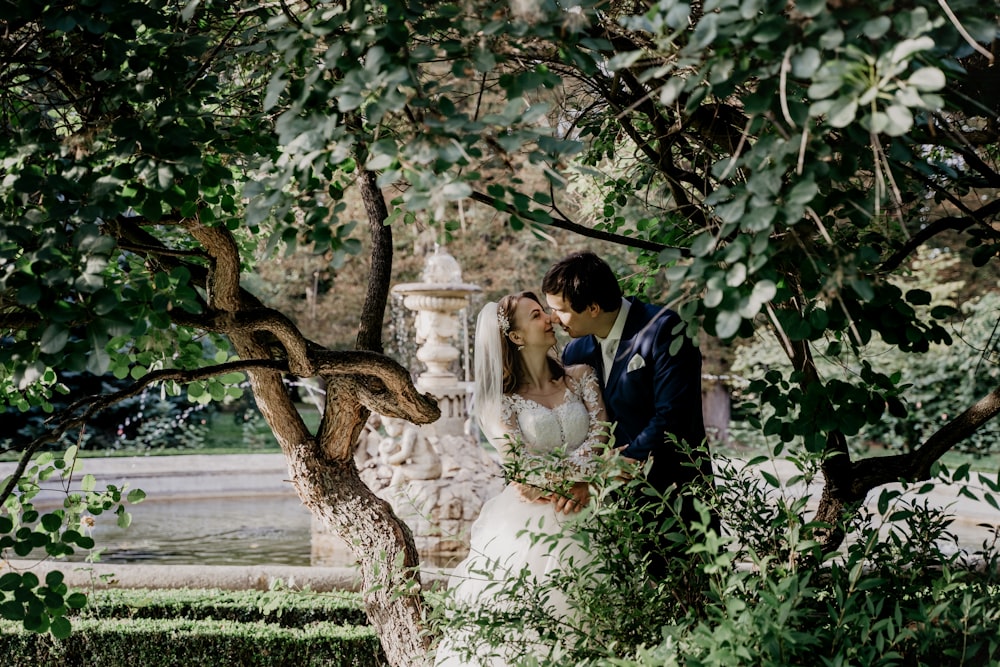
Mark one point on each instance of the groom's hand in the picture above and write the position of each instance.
(575, 499)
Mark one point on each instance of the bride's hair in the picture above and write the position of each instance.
(499, 368)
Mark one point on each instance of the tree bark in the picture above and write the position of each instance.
(377, 295)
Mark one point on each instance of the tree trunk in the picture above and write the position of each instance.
(391, 576)
(377, 295)
(849, 482)
(322, 467)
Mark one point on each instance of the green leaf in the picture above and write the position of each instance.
(868, 583)
(36, 622)
(877, 27)
(671, 90)
(52, 522)
(61, 627)
(904, 50)
(275, 88)
(54, 339)
(900, 120)
(810, 7)
(806, 62)
(98, 361)
(863, 289)
(758, 218)
(88, 482)
(732, 211)
(736, 275)
(842, 112)
(703, 244)
(927, 79)
(763, 292)
(29, 294)
(378, 162)
(727, 323)
(705, 33)
(10, 581)
(918, 297)
(76, 601)
(803, 192)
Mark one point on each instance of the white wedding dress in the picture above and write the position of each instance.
(514, 537)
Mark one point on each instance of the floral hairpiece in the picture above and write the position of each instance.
(503, 322)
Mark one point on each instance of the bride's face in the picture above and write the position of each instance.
(532, 325)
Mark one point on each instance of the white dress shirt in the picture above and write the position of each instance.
(609, 344)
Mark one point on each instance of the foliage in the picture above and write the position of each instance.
(940, 381)
(776, 164)
(899, 593)
(281, 606)
(142, 626)
(160, 423)
(26, 528)
(148, 421)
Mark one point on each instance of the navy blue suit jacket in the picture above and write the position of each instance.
(661, 395)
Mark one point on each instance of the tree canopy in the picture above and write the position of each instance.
(776, 163)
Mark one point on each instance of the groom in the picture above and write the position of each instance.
(653, 395)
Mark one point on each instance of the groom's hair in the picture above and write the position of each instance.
(583, 278)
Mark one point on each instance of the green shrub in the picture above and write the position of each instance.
(928, 388)
(898, 592)
(281, 607)
(155, 642)
(44, 606)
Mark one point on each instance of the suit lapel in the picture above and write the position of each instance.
(636, 320)
(590, 354)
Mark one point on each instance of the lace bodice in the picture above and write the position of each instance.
(573, 425)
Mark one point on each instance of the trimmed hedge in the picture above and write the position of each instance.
(288, 609)
(156, 628)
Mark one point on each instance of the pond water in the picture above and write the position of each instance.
(253, 530)
(275, 529)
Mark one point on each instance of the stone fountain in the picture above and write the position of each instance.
(437, 300)
(437, 476)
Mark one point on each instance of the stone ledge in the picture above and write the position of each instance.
(225, 577)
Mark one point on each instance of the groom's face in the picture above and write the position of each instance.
(573, 323)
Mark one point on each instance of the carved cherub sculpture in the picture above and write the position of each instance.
(409, 452)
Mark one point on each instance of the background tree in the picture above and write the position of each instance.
(129, 131)
(773, 162)
(768, 160)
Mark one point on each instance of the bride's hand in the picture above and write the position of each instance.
(531, 494)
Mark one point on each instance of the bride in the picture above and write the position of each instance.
(548, 422)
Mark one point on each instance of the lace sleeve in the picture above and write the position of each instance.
(583, 382)
(510, 432)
